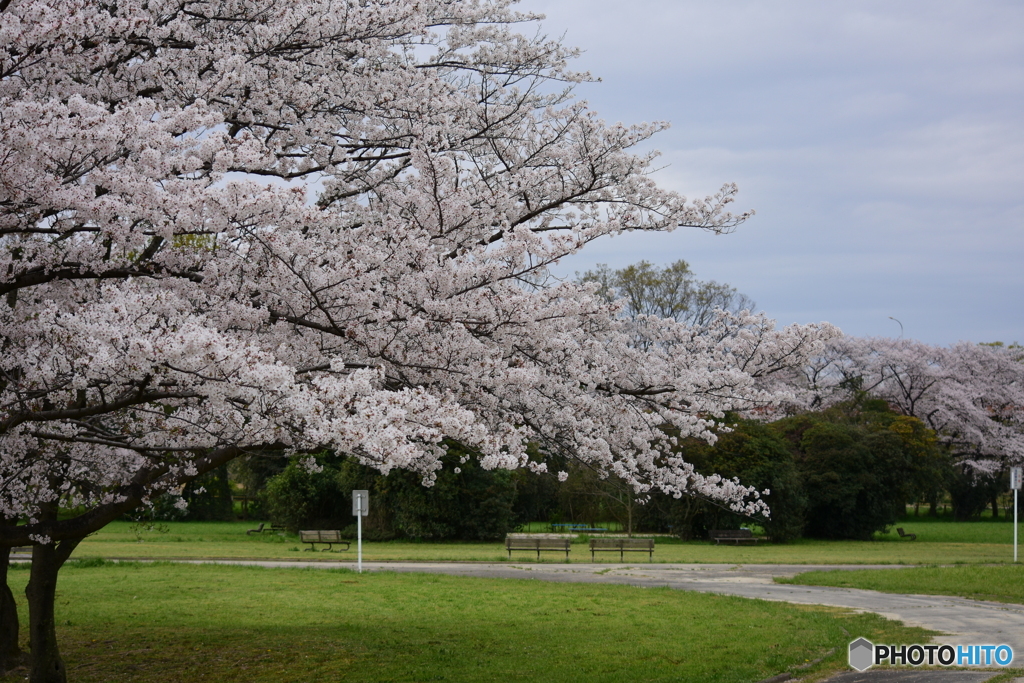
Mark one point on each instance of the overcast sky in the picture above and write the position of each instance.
(881, 144)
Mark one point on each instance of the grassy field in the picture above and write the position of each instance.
(1004, 583)
(938, 542)
(148, 623)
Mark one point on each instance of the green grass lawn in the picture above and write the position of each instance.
(945, 530)
(938, 542)
(142, 623)
(1003, 583)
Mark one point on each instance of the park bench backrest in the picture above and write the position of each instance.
(620, 543)
(527, 543)
(330, 536)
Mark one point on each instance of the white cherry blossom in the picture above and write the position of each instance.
(972, 395)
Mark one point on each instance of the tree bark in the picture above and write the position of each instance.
(11, 655)
(47, 664)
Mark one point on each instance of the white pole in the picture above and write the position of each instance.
(1016, 475)
(359, 533)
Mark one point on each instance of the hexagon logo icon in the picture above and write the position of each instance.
(862, 654)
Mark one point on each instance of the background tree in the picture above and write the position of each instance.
(756, 454)
(250, 474)
(971, 491)
(588, 498)
(670, 292)
(750, 451)
(860, 463)
(971, 395)
(298, 498)
(537, 495)
(466, 501)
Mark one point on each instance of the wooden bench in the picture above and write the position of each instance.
(623, 545)
(328, 537)
(257, 530)
(733, 536)
(903, 534)
(537, 543)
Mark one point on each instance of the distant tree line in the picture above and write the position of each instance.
(841, 473)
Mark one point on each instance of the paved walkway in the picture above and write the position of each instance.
(872, 676)
(962, 621)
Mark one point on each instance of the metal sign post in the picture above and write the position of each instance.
(1015, 484)
(360, 508)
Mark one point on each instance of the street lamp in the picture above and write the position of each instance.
(898, 323)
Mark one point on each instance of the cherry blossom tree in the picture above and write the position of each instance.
(972, 395)
(231, 226)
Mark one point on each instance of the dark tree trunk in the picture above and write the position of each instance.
(47, 665)
(11, 655)
(995, 506)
